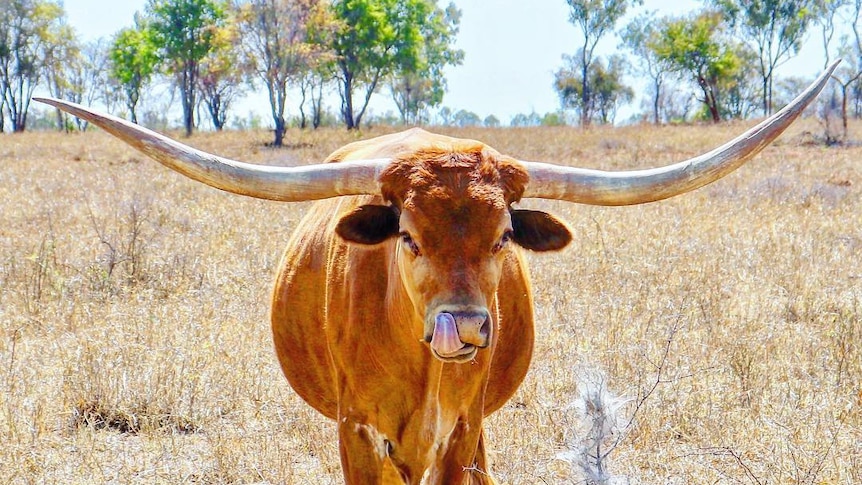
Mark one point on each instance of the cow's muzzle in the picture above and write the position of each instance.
(456, 335)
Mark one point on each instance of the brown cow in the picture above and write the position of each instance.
(405, 311)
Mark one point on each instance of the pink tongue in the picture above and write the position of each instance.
(445, 340)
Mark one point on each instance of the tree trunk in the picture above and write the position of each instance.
(187, 91)
(844, 111)
(188, 114)
(133, 111)
(19, 123)
(216, 109)
(61, 125)
(277, 92)
(769, 96)
(317, 106)
(368, 93)
(347, 101)
(2, 112)
(585, 94)
(279, 133)
(18, 113)
(303, 93)
(710, 98)
(857, 100)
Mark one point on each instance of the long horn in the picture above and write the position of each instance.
(289, 184)
(597, 187)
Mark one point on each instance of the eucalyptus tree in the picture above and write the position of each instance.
(594, 19)
(695, 48)
(284, 40)
(61, 58)
(27, 32)
(376, 40)
(421, 84)
(184, 32)
(828, 14)
(222, 75)
(133, 61)
(774, 29)
(606, 82)
(82, 77)
(640, 36)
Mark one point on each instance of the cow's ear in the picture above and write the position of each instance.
(368, 224)
(539, 231)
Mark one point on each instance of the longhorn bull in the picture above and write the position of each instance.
(403, 307)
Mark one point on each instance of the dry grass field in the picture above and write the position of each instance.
(135, 344)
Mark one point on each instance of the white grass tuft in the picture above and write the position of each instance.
(602, 427)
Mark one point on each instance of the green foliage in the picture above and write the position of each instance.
(607, 89)
(594, 19)
(522, 120)
(420, 84)
(60, 56)
(286, 41)
(638, 36)
(377, 39)
(741, 87)
(694, 47)
(491, 121)
(221, 72)
(464, 118)
(773, 28)
(554, 119)
(29, 32)
(134, 57)
(185, 31)
(768, 21)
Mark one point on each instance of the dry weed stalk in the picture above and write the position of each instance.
(602, 428)
(603, 418)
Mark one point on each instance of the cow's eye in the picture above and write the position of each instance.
(507, 236)
(410, 243)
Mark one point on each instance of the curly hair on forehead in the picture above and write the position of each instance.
(477, 172)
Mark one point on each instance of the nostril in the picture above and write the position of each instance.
(485, 332)
(467, 325)
(474, 327)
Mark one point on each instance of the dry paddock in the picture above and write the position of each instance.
(135, 346)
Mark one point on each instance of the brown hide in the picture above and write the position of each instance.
(348, 323)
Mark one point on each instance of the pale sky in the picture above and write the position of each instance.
(512, 48)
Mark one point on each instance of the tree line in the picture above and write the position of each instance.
(211, 51)
(726, 53)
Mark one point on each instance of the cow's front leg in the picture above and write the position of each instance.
(363, 451)
(458, 464)
(480, 475)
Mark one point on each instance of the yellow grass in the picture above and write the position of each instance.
(135, 343)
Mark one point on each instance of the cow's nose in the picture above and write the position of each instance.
(474, 327)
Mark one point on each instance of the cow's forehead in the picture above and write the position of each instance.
(467, 216)
(403, 144)
(453, 179)
(475, 204)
